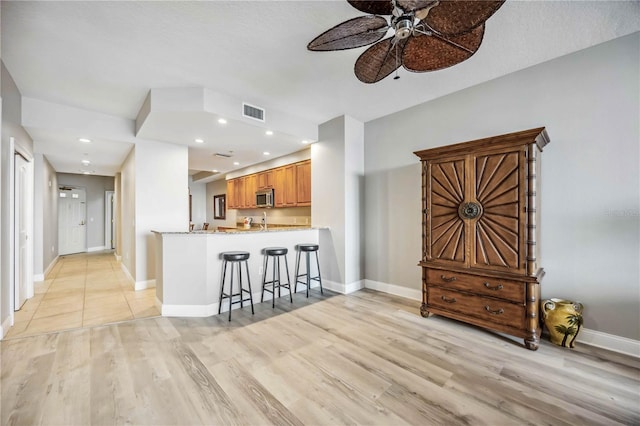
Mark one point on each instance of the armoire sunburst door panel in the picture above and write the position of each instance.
(445, 228)
(497, 233)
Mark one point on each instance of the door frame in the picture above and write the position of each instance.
(13, 249)
(109, 220)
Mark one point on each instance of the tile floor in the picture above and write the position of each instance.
(82, 290)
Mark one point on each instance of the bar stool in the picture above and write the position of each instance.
(275, 253)
(235, 258)
(307, 249)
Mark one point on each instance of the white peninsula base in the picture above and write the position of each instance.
(189, 266)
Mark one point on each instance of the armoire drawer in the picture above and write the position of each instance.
(489, 309)
(503, 289)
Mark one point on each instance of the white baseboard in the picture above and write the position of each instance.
(339, 287)
(205, 310)
(5, 326)
(41, 277)
(610, 342)
(127, 273)
(143, 285)
(117, 256)
(409, 293)
(599, 339)
(99, 248)
(188, 310)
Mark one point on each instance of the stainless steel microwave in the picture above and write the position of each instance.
(264, 198)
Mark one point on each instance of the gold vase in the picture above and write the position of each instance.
(563, 319)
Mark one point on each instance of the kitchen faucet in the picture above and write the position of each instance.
(264, 221)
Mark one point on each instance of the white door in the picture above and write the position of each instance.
(22, 243)
(72, 223)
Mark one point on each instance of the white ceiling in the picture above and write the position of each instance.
(105, 57)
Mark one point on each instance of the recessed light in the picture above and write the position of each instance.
(235, 163)
(86, 173)
(305, 142)
(266, 153)
(214, 171)
(84, 140)
(222, 121)
(268, 133)
(86, 162)
(199, 140)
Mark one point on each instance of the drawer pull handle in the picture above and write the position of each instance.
(452, 300)
(448, 280)
(496, 312)
(497, 287)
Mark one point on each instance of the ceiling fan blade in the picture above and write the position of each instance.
(353, 33)
(434, 52)
(379, 7)
(454, 17)
(379, 60)
(411, 5)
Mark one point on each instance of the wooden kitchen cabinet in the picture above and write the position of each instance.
(265, 179)
(231, 194)
(290, 195)
(291, 186)
(250, 188)
(240, 193)
(278, 187)
(303, 183)
(480, 233)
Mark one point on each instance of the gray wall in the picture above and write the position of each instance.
(45, 206)
(589, 102)
(11, 127)
(95, 187)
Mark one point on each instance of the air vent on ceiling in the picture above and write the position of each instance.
(253, 112)
(219, 154)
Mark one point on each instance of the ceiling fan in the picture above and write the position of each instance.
(428, 35)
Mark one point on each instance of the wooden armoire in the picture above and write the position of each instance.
(480, 233)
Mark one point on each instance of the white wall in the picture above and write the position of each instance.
(95, 187)
(337, 175)
(126, 227)
(590, 229)
(161, 200)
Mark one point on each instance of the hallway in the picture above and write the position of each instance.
(82, 290)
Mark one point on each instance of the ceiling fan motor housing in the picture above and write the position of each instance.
(404, 27)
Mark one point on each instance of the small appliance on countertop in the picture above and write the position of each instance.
(247, 222)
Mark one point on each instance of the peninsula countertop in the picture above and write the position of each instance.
(241, 230)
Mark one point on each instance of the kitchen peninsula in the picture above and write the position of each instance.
(189, 264)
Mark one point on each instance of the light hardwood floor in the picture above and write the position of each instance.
(82, 290)
(364, 358)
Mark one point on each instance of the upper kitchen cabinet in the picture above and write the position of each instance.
(303, 183)
(250, 188)
(278, 187)
(291, 185)
(241, 202)
(290, 195)
(231, 194)
(266, 179)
